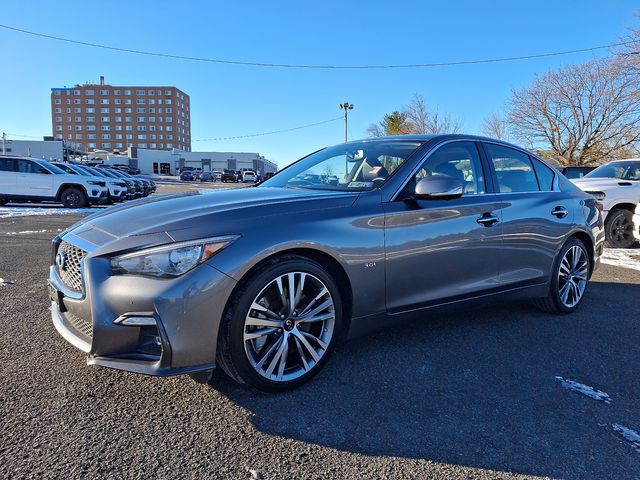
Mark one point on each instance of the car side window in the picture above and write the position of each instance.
(458, 160)
(545, 175)
(27, 166)
(513, 169)
(7, 165)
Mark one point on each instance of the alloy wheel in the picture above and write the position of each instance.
(621, 230)
(572, 276)
(289, 326)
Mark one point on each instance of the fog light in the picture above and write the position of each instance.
(142, 319)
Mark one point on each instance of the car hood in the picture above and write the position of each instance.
(591, 184)
(202, 213)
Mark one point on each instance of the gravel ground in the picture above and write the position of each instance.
(461, 395)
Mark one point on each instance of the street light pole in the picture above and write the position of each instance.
(346, 106)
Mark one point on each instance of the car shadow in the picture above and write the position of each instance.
(476, 388)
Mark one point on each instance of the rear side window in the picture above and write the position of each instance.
(513, 169)
(7, 165)
(545, 175)
(27, 166)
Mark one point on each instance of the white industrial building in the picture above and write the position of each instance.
(150, 162)
(162, 162)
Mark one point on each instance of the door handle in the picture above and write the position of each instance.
(560, 212)
(487, 219)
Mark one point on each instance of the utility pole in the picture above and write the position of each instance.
(346, 106)
(4, 140)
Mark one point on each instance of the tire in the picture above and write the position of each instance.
(73, 197)
(257, 361)
(3, 201)
(618, 229)
(579, 276)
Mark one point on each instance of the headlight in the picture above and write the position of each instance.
(95, 182)
(170, 260)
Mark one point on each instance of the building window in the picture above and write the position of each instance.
(91, 145)
(90, 110)
(56, 92)
(142, 145)
(58, 128)
(91, 136)
(58, 119)
(118, 136)
(169, 137)
(58, 110)
(127, 92)
(106, 136)
(78, 136)
(167, 110)
(105, 128)
(104, 101)
(152, 128)
(152, 101)
(91, 128)
(106, 145)
(140, 92)
(89, 92)
(128, 128)
(118, 145)
(77, 110)
(169, 128)
(168, 101)
(142, 119)
(151, 92)
(90, 101)
(168, 119)
(141, 101)
(58, 101)
(142, 128)
(76, 92)
(152, 119)
(117, 110)
(128, 110)
(116, 92)
(117, 101)
(169, 145)
(167, 92)
(127, 101)
(129, 136)
(118, 128)
(105, 119)
(142, 137)
(76, 101)
(142, 110)
(104, 92)
(78, 119)
(104, 110)
(91, 119)
(78, 128)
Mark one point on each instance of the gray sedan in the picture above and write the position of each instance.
(263, 281)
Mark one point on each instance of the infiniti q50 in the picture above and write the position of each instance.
(262, 281)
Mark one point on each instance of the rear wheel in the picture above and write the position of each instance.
(281, 326)
(619, 229)
(3, 201)
(569, 279)
(73, 197)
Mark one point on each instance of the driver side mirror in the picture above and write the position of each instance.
(439, 187)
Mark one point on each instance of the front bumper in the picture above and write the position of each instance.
(139, 324)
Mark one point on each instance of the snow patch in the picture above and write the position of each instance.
(621, 257)
(28, 231)
(629, 435)
(12, 212)
(6, 282)
(585, 390)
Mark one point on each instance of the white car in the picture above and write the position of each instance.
(24, 178)
(116, 188)
(249, 176)
(617, 186)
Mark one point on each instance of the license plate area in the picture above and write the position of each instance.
(58, 297)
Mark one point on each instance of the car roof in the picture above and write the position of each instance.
(440, 137)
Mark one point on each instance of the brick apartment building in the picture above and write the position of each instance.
(113, 118)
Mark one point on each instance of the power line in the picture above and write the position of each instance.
(312, 66)
(268, 133)
(23, 136)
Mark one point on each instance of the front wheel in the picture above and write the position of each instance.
(73, 197)
(3, 201)
(618, 229)
(280, 328)
(569, 279)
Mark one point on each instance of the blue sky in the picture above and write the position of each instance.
(238, 100)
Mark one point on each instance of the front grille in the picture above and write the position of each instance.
(71, 271)
(81, 325)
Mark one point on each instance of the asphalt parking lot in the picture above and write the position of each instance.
(460, 395)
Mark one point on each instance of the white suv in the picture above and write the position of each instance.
(23, 178)
(249, 176)
(116, 187)
(617, 186)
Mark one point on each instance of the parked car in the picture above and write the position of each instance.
(148, 186)
(229, 176)
(576, 172)
(249, 176)
(30, 179)
(183, 284)
(116, 189)
(617, 186)
(268, 175)
(127, 169)
(207, 177)
(187, 176)
(138, 184)
(130, 185)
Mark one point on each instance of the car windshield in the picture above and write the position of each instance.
(52, 168)
(357, 166)
(629, 170)
(80, 170)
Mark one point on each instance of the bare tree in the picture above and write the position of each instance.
(581, 114)
(415, 118)
(495, 126)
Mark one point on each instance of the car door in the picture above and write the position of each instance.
(8, 176)
(536, 215)
(34, 180)
(442, 250)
